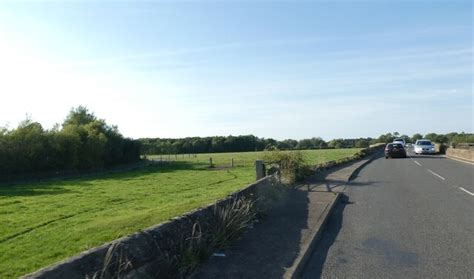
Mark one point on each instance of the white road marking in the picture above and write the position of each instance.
(416, 162)
(435, 174)
(472, 194)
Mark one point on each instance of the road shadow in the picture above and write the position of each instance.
(434, 156)
(319, 182)
(315, 265)
(269, 248)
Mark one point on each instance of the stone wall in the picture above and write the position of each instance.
(144, 254)
(147, 254)
(462, 154)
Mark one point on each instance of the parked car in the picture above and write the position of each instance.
(400, 140)
(393, 150)
(424, 146)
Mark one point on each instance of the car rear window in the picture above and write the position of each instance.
(424, 142)
(394, 145)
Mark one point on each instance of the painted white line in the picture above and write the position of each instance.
(472, 194)
(416, 162)
(435, 174)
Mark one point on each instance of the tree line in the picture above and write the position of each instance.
(82, 142)
(191, 145)
(240, 144)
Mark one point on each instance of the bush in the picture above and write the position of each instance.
(292, 165)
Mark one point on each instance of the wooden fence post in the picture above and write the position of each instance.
(260, 169)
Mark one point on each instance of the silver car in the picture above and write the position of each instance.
(400, 141)
(424, 146)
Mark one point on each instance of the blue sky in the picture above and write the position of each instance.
(273, 69)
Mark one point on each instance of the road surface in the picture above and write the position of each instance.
(401, 218)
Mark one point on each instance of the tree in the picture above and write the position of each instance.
(287, 144)
(29, 146)
(79, 116)
(405, 138)
(270, 142)
(441, 139)
(318, 143)
(200, 145)
(416, 137)
(305, 144)
(431, 136)
(336, 143)
(362, 143)
(82, 142)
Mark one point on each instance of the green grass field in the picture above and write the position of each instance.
(247, 159)
(42, 223)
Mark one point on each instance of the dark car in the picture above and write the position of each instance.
(393, 150)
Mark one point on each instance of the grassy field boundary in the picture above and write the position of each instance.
(159, 249)
(48, 221)
(152, 250)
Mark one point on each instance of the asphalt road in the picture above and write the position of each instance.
(401, 218)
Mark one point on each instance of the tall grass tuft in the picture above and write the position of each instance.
(115, 263)
(232, 220)
(226, 224)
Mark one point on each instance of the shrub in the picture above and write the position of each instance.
(292, 165)
(269, 196)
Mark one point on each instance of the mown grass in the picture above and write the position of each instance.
(42, 223)
(247, 159)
